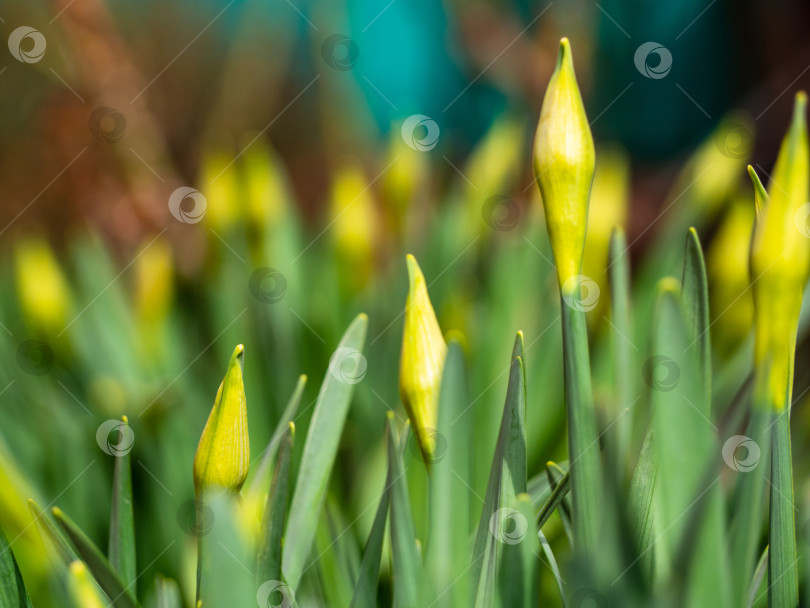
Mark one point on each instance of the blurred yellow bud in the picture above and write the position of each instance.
(780, 258)
(732, 306)
(222, 192)
(265, 190)
(223, 454)
(82, 588)
(564, 165)
(353, 226)
(422, 360)
(154, 289)
(43, 290)
(608, 209)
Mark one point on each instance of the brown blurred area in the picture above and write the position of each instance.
(184, 86)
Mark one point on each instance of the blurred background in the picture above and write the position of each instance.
(179, 177)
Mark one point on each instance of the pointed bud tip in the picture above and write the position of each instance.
(414, 272)
(125, 420)
(669, 286)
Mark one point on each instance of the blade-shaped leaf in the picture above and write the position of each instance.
(407, 564)
(450, 479)
(695, 298)
(783, 577)
(98, 565)
(321, 447)
(517, 575)
(485, 549)
(259, 483)
(12, 588)
(121, 551)
(641, 504)
(272, 531)
(365, 590)
(167, 594)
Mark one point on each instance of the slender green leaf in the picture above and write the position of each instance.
(695, 298)
(640, 504)
(687, 495)
(759, 576)
(61, 546)
(621, 345)
(13, 593)
(561, 488)
(228, 579)
(321, 447)
(485, 549)
(365, 591)
(407, 564)
(517, 574)
(783, 577)
(97, 564)
(583, 441)
(259, 483)
(552, 562)
(448, 549)
(272, 532)
(760, 194)
(121, 551)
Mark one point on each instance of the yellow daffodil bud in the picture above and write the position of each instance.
(154, 288)
(223, 454)
(422, 360)
(608, 209)
(43, 290)
(780, 259)
(223, 196)
(82, 589)
(564, 165)
(732, 306)
(265, 188)
(353, 226)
